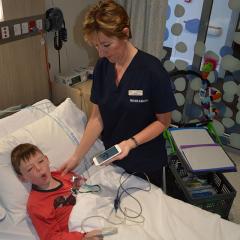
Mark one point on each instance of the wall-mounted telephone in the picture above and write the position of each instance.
(55, 22)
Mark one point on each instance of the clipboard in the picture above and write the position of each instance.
(199, 152)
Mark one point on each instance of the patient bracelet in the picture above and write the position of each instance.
(135, 141)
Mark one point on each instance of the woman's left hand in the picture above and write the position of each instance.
(126, 146)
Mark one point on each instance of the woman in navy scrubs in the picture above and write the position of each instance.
(131, 95)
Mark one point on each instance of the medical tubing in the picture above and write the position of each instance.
(117, 200)
(96, 216)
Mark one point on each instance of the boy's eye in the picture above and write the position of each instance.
(107, 45)
(40, 161)
(29, 170)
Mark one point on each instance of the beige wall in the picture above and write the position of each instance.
(13, 9)
(75, 52)
(23, 75)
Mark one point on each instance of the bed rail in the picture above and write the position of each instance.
(8, 111)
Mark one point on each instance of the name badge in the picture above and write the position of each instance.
(135, 92)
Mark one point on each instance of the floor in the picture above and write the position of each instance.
(234, 179)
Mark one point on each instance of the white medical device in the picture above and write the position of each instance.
(107, 155)
(72, 78)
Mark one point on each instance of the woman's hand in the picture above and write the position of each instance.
(126, 146)
(93, 235)
(69, 165)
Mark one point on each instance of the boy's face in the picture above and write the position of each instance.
(36, 170)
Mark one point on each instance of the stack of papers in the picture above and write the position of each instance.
(200, 152)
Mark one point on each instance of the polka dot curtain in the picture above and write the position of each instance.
(224, 79)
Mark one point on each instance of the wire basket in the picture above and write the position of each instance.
(220, 202)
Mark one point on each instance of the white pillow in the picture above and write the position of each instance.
(25, 116)
(56, 135)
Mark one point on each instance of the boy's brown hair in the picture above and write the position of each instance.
(22, 153)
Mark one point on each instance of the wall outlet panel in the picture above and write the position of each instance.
(5, 32)
(25, 28)
(39, 24)
(32, 26)
(17, 29)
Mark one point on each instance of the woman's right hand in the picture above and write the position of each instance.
(69, 165)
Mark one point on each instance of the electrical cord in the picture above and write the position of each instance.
(117, 205)
(97, 188)
(97, 216)
(117, 200)
(86, 188)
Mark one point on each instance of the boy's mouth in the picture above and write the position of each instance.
(44, 176)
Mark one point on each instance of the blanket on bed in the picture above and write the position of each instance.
(165, 218)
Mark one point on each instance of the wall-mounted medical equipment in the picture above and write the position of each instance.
(55, 23)
(72, 77)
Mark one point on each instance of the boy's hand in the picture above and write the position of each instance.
(94, 235)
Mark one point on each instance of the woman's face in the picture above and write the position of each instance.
(111, 48)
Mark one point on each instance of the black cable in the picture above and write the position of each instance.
(63, 33)
(117, 200)
(59, 62)
(89, 188)
(57, 41)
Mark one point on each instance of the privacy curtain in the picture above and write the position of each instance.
(148, 18)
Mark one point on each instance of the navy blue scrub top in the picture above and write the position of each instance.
(128, 108)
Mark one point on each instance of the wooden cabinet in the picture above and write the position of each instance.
(79, 93)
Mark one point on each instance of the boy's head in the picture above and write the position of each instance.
(31, 165)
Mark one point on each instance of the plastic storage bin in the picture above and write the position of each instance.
(219, 200)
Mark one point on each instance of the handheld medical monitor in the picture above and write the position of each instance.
(106, 155)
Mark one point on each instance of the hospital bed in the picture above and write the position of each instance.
(145, 211)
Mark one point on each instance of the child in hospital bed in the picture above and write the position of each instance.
(50, 201)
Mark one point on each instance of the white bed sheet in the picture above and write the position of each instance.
(165, 217)
(21, 231)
